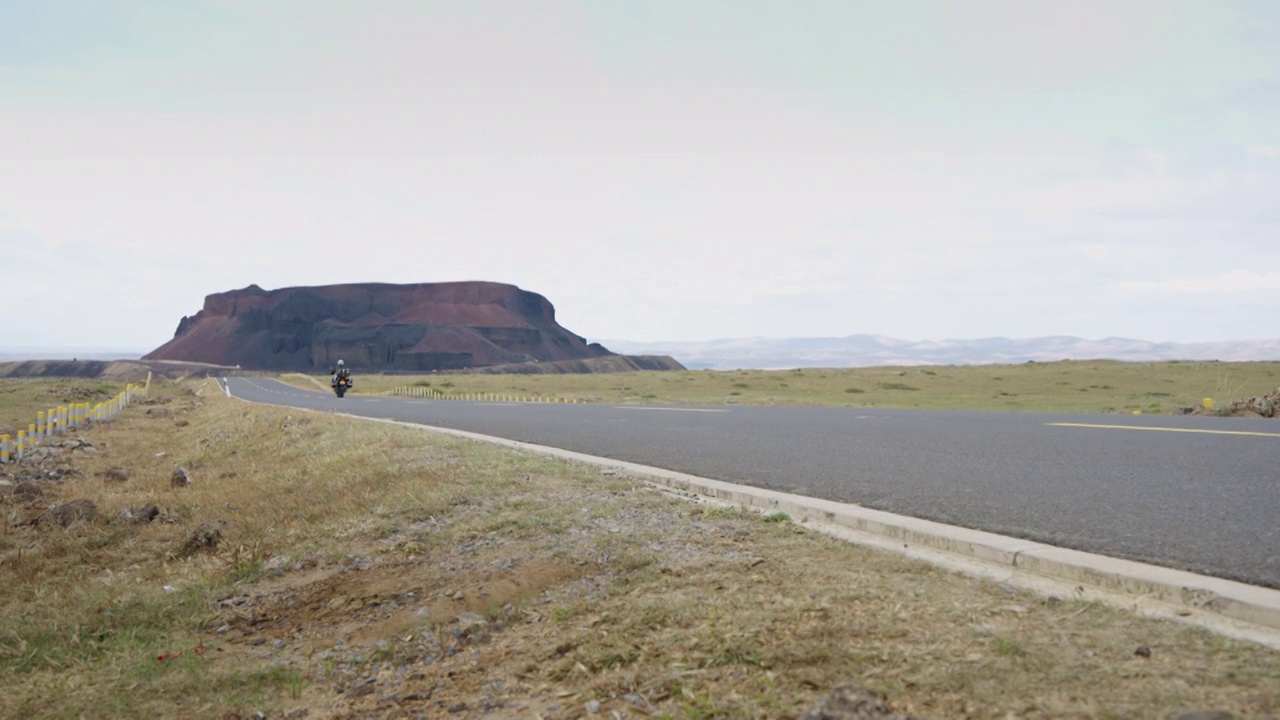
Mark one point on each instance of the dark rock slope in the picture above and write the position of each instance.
(376, 327)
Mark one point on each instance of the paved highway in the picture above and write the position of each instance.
(1193, 493)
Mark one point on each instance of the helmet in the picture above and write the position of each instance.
(341, 364)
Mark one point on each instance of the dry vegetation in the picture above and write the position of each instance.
(1068, 386)
(329, 567)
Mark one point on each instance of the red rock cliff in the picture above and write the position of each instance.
(375, 327)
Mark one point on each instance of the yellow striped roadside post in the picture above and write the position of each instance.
(22, 442)
(4, 449)
(40, 430)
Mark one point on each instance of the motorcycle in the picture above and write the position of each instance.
(341, 385)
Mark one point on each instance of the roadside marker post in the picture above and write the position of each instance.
(4, 449)
(22, 441)
(40, 430)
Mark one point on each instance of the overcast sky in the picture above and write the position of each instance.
(659, 170)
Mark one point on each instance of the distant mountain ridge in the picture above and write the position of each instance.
(879, 350)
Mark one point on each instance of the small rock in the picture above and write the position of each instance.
(469, 620)
(1017, 609)
(1143, 651)
(204, 538)
(161, 454)
(1204, 715)
(181, 477)
(593, 706)
(279, 562)
(27, 492)
(67, 514)
(140, 515)
(458, 595)
(115, 474)
(182, 423)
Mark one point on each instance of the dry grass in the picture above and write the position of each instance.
(353, 548)
(1068, 386)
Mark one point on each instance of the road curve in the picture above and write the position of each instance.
(1192, 493)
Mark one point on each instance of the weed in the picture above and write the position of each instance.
(1005, 646)
(722, 511)
(854, 390)
(492, 611)
(777, 517)
(897, 386)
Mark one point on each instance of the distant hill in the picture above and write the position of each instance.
(377, 327)
(878, 350)
(34, 353)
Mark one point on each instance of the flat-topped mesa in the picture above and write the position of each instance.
(376, 327)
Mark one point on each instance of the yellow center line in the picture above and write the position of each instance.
(1162, 429)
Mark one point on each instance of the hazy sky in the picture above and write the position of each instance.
(681, 170)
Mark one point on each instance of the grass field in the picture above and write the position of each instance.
(1068, 386)
(362, 569)
(22, 399)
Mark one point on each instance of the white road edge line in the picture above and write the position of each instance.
(1230, 608)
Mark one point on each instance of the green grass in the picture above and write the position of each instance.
(1098, 386)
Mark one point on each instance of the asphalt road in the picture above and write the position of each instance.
(1193, 493)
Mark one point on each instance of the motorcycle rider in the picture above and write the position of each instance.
(340, 372)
